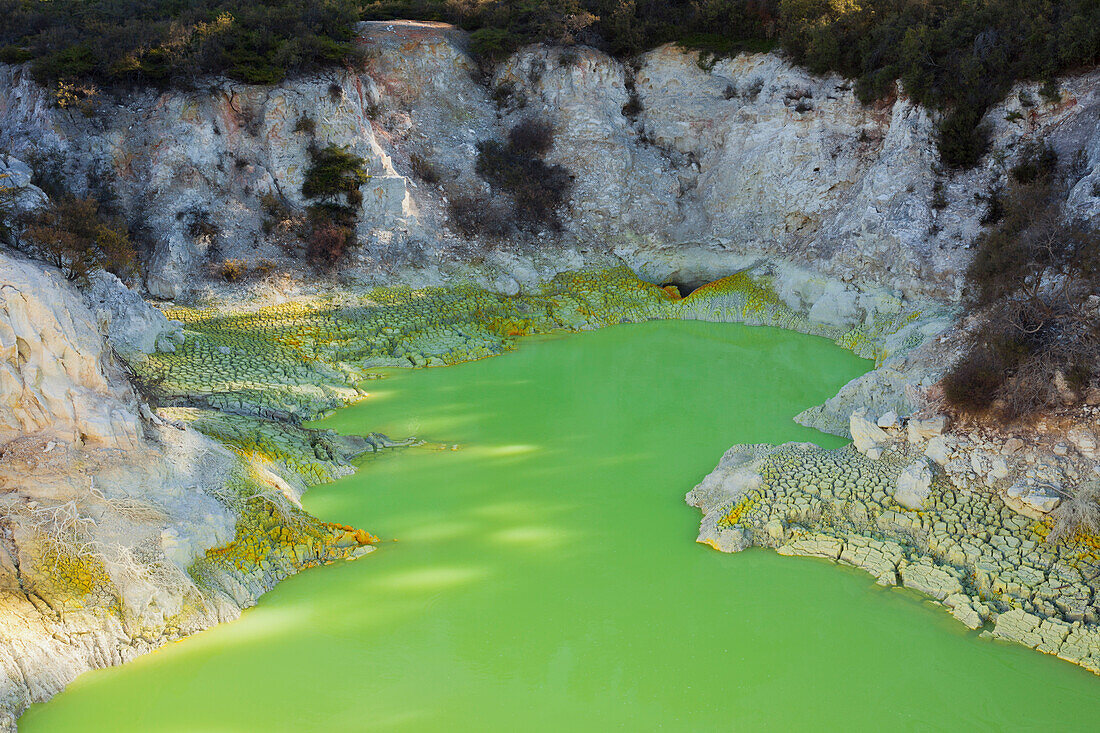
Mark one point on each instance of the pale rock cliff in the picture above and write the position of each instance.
(55, 373)
(717, 166)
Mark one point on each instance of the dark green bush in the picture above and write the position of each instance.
(531, 137)
(305, 125)
(125, 42)
(972, 385)
(493, 43)
(1037, 161)
(962, 138)
(334, 177)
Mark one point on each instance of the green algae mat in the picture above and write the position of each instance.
(545, 575)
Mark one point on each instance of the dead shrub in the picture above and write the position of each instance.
(538, 190)
(1030, 281)
(78, 237)
(328, 243)
(476, 216)
(1078, 512)
(233, 270)
(423, 169)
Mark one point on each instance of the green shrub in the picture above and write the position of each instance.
(334, 177)
(14, 55)
(493, 43)
(939, 196)
(232, 270)
(962, 138)
(531, 137)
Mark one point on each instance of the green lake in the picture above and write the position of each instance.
(545, 575)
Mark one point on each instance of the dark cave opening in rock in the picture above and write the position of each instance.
(685, 286)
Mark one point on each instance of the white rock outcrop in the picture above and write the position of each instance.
(54, 372)
(17, 194)
(133, 327)
(1032, 501)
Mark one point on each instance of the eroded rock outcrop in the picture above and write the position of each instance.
(55, 373)
(119, 533)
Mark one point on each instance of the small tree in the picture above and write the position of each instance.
(77, 237)
(333, 180)
(334, 177)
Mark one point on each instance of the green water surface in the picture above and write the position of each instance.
(546, 576)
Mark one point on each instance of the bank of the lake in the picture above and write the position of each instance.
(545, 574)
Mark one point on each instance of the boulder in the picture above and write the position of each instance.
(921, 430)
(1032, 501)
(1084, 440)
(132, 325)
(914, 484)
(889, 420)
(938, 450)
(866, 435)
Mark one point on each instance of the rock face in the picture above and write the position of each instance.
(133, 327)
(715, 167)
(17, 194)
(54, 372)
